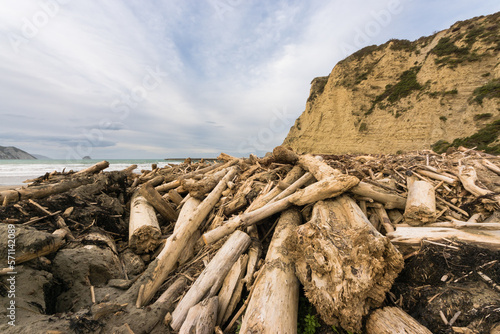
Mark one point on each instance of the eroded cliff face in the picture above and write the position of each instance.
(404, 96)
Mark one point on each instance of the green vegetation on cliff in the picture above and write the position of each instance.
(481, 140)
(488, 91)
(405, 86)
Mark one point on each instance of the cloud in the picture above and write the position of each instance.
(164, 78)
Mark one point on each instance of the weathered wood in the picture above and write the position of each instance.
(199, 189)
(168, 258)
(491, 166)
(421, 202)
(254, 254)
(284, 155)
(174, 196)
(383, 217)
(42, 191)
(303, 180)
(239, 200)
(273, 306)
(390, 199)
(159, 203)
(326, 188)
(129, 169)
(201, 317)
(413, 236)
(167, 186)
(390, 320)
(436, 176)
(175, 289)
(51, 244)
(460, 224)
(468, 177)
(345, 265)
(144, 230)
(321, 170)
(187, 211)
(317, 167)
(233, 277)
(210, 280)
(94, 169)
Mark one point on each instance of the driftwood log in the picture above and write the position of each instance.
(421, 202)
(201, 317)
(230, 286)
(329, 187)
(273, 306)
(390, 320)
(168, 258)
(159, 203)
(144, 231)
(95, 168)
(12, 196)
(413, 236)
(345, 265)
(211, 279)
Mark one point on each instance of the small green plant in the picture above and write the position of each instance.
(310, 324)
(363, 127)
(479, 117)
(443, 118)
(446, 47)
(488, 91)
(402, 44)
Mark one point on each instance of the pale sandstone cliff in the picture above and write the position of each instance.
(435, 93)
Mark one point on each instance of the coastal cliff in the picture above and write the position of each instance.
(11, 152)
(434, 92)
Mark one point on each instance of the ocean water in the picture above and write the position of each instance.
(14, 172)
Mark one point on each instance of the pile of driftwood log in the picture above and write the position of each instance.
(207, 247)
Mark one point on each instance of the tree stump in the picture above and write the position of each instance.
(345, 265)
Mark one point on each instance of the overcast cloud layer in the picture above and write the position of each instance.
(157, 79)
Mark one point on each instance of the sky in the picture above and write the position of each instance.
(164, 79)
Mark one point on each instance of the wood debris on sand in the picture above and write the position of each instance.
(377, 243)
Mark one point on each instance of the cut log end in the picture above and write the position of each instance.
(145, 239)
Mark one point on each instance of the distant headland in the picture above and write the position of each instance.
(11, 152)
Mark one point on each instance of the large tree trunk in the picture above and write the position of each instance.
(210, 280)
(390, 320)
(168, 258)
(144, 231)
(345, 265)
(273, 305)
